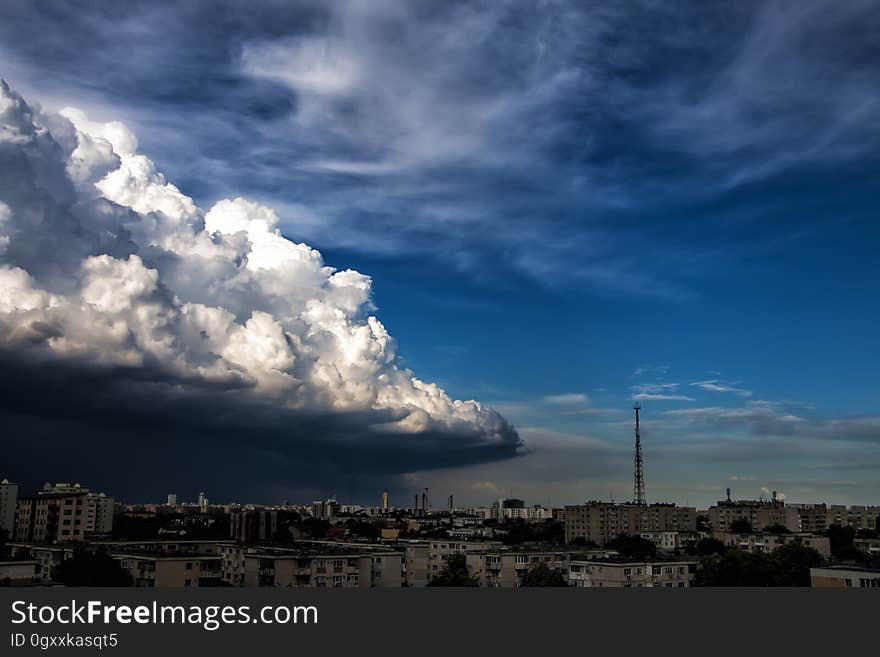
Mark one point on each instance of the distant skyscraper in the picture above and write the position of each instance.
(385, 501)
(8, 499)
(172, 499)
(201, 499)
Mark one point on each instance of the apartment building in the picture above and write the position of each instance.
(99, 513)
(253, 526)
(840, 577)
(170, 571)
(61, 513)
(439, 551)
(505, 568)
(857, 517)
(759, 514)
(601, 522)
(631, 574)
(818, 517)
(521, 513)
(319, 565)
(812, 518)
(671, 541)
(415, 563)
(18, 572)
(51, 517)
(758, 542)
(47, 557)
(8, 501)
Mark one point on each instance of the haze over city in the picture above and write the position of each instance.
(277, 254)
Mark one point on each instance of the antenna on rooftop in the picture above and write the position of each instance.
(638, 469)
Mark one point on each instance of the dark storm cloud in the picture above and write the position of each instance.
(139, 433)
(132, 322)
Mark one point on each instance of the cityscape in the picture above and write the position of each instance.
(376, 294)
(66, 534)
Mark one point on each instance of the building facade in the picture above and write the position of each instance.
(51, 517)
(99, 513)
(8, 502)
(170, 571)
(758, 542)
(758, 513)
(601, 522)
(631, 574)
(841, 577)
(310, 565)
(253, 526)
(505, 568)
(19, 572)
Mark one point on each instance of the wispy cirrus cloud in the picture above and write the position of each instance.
(717, 385)
(657, 392)
(567, 399)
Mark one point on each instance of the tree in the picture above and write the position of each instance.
(707, 546)
(541, 575)
(364, 529)
(314, 527)
(792, 563)
(842, 546)
(633, 547)
(787, 566)
(777, 529)
(734, 568)
(86, 568)
(455, 573)
(741, 526)
(580, 541)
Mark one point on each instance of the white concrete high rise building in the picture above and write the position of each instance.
(99, 513)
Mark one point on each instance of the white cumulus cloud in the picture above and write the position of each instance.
(104, 261)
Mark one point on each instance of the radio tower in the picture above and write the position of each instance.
(638, 473)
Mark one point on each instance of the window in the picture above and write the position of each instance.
(189, 565)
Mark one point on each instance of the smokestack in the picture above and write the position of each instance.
(416, 504)
(451, 505)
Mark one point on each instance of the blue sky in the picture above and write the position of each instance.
(564, 207)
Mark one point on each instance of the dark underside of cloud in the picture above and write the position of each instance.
(139, 434)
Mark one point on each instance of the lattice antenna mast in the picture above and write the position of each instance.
(638, 469)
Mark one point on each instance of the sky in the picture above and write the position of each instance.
(555, 208)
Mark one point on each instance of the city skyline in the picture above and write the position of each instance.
(266, 255)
